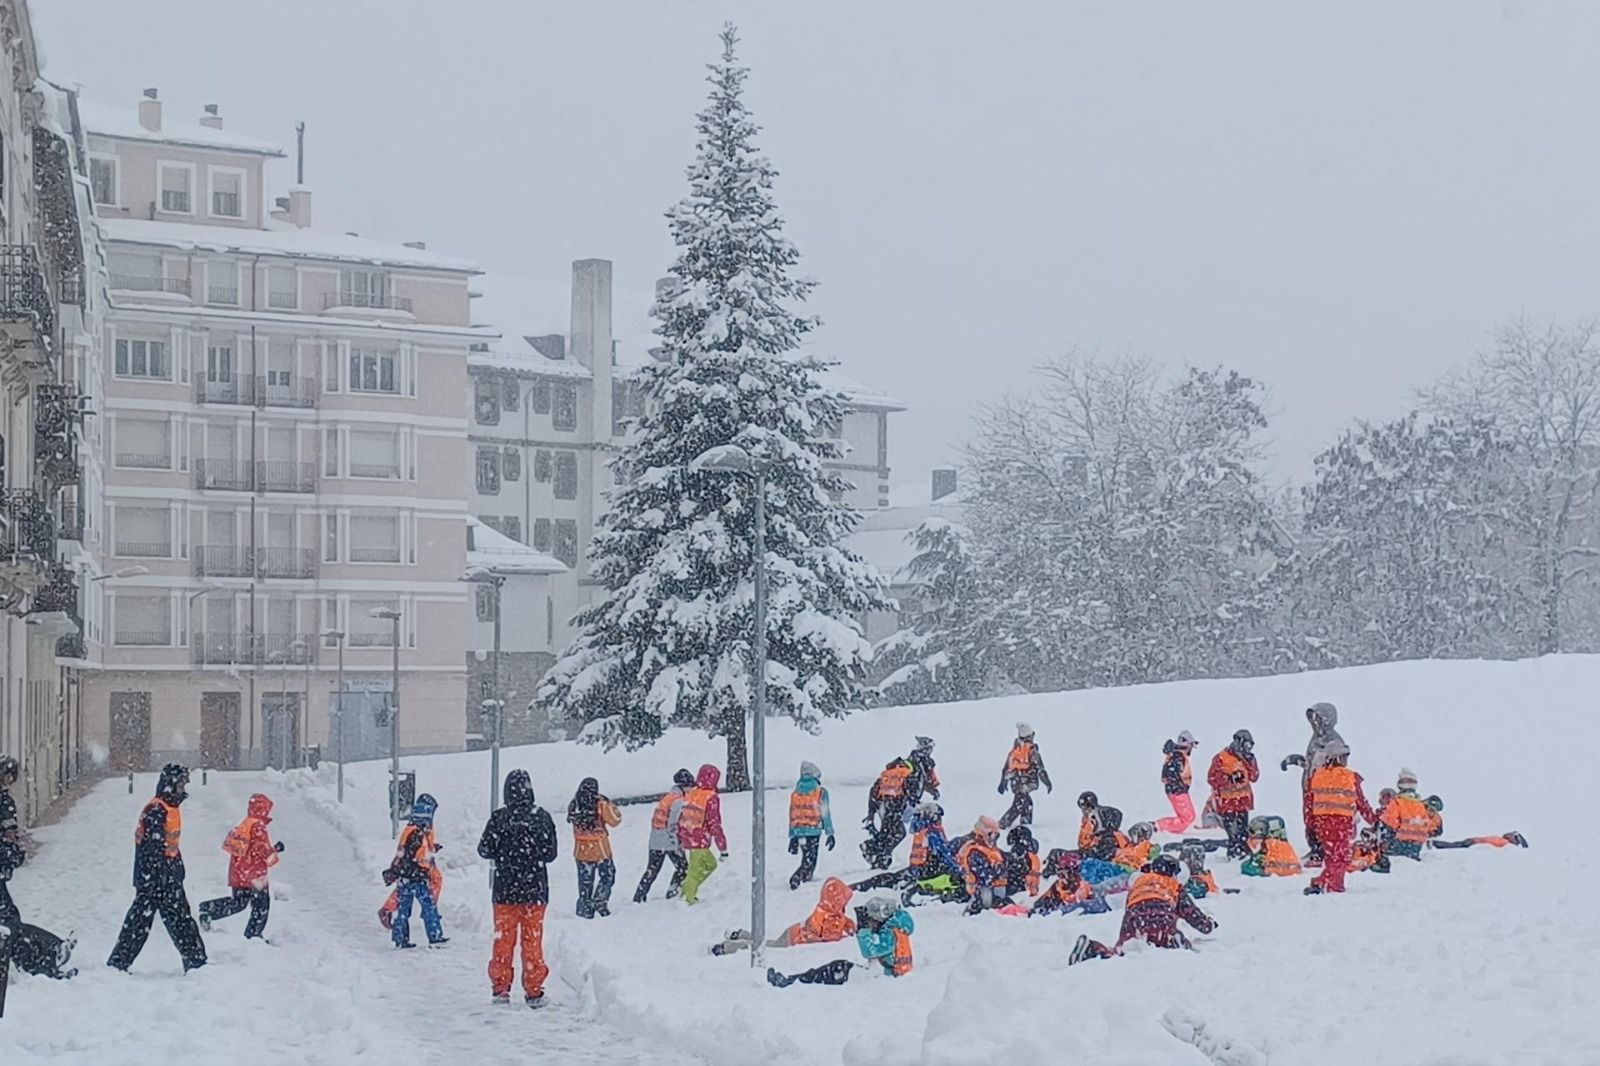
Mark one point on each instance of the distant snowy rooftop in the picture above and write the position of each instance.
(489, 549)
(122, 123)
(280, 239)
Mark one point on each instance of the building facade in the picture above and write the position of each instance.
(281, 436)
(551, 399)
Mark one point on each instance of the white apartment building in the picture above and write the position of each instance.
(282, 430)
(550, 400)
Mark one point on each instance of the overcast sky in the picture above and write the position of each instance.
(1341, 200)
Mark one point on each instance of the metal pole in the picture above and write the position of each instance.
(305, 709)
(394, 735)
(758, 741)
(284, 717)
(338, 718)
(499, 704)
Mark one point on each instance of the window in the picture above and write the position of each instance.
(373, 370)
(375, 539)
(141, 359)
(539, 397)
(363, 288)
(143, 443)
(565, 414)
(541, 534)
(142, 620)
(511, 395)
(627, 405)
(566, 475)
(486, 603)
(488, 471)
(177, 185)
(486, 404)
(511, 526)
(367, 631)
(541, 465)
(511, 464)
(219, 363)
(567, 541)
(227, 193)
(103, 180)
(283, 288)
(330, 621)
(144, 532)
(330, 538)
(280, 366)
(222, 284)
(374, 453)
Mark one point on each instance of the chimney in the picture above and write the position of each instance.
(591, 318)
(300, 206)
(150, 111)
(211, 119)
(944, 482)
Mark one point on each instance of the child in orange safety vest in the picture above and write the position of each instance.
(592, 817)
(1176, 776)
(883, 933)
(1270, 853)
(251, 852)
(984, 867)
(1404, 823)
(1156, 903)
(1068, 892)
(664, 839)
(1334, 800)
(1504, 840)
(1023, 773)
(828, 922)
(411, 873)
(810, 822)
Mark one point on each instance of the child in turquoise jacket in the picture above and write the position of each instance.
(883, 933)
(810, 821)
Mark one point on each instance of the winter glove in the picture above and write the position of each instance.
(830, 843)
(1001, 791)
(866, 823)
(278, 847)
(389, 876)
(1048, 787)
(794, 846)
(933, 792)
(1292, 760)
(722, 856)
(438, 848)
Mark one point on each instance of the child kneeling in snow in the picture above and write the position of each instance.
(1155, 903)
(827, 923)
(884, 935)
(1069, 892)
(1271, 854)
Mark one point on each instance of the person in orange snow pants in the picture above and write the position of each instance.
(520, 840)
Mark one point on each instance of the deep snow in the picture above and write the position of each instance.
(1472, 957)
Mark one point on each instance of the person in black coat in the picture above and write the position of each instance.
(34, 950)
(520, 840)
(158, 878)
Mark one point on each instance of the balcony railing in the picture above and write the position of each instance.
(27, 528)
(145, 460)
(143, 549)
(383, 470)
(25, 297)
(286, 562)
(55, 446)
(59, 594)
(232, 475)
(226, 295)
(142, 638)
(236, 389)
(375, 555)
(372, 639)
(150, 283)
(277, 649)
(214, 647)
(287, 392)
(386, 301)
(282, 475)
(223, 560)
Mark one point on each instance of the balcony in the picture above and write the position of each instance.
(213, 647)
(283, 475)
(55, 447)
(27, 317)
(143, 549)
(228, 475)
(381, 554)
(370, 301)
(223, 295)
(296, 563)
(281, 390)
(150, 283)
(60, 594)
(238, 390)
(278, 649)
(142, 638)
(27, 529)
(145, 460)
(61, 237)
(223, 560)
(376, 638)
(390, 471)
(69, 520)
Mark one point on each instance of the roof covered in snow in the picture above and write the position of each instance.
(489, 549)
(122, 123)
(280, 239)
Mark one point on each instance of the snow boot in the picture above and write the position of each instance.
(406, 944)
(441, 942)
(205, 922)
(603, 910)
(501, 999)
(640, 897)
(534, 1002)
(778, 980)
(1517, 838)
(1313, 889)
(1080, 951)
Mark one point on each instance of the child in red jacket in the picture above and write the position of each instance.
(251, 853)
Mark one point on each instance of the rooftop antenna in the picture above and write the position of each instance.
(300, 154)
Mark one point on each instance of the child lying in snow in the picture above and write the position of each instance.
(1155, 904)
(827, 923)
(1436, 805)
(883, 933)
(1069, 892)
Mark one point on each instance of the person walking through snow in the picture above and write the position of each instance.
(1022, 774)
(924, 777)
(887, 802)
(520, 839)
(1233, 771)
(411, 873)
(158, 876)
(34, 950)
(810, 822)
(251, 853)
(1323, 719)
(664, 839)
(1175, 780)
(592, 816)
(883, 933)
(1156, 903)
(1336, 797)
(933, 868)
(700, 826)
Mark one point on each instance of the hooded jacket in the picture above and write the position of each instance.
(519, 839)
(878, 945)
(666, 838)
(157, 859)
(249, 848)
(805, 787)
(11, 854)
(591, 815)
(1324, 717)
(703, 809)
(830, 920)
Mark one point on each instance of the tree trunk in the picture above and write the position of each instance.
(737, 778)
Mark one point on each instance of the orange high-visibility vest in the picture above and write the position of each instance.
(919, 848)
(892, 782)
(992, 854)
(1410, 819)
(424, 855)
(805, 809)
(1187, 776)
(663, 811)
(900, 962)
(1032, 883)
(1280, 859)
(1149, 887)
(1333, 792)
(1085, 834)
(695, 802)
(1232, 764)
(1134, 856)
(1021, 757)
(173, 828)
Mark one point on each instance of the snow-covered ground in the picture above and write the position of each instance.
(1472, 957)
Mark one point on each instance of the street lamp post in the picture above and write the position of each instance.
(394, 722)
(338, 714)
(736, 460)
(495, 706)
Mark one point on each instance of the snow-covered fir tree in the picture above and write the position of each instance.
(941, 654)
(670, 643)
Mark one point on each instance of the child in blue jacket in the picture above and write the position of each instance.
(810, 821)
(883, 933)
